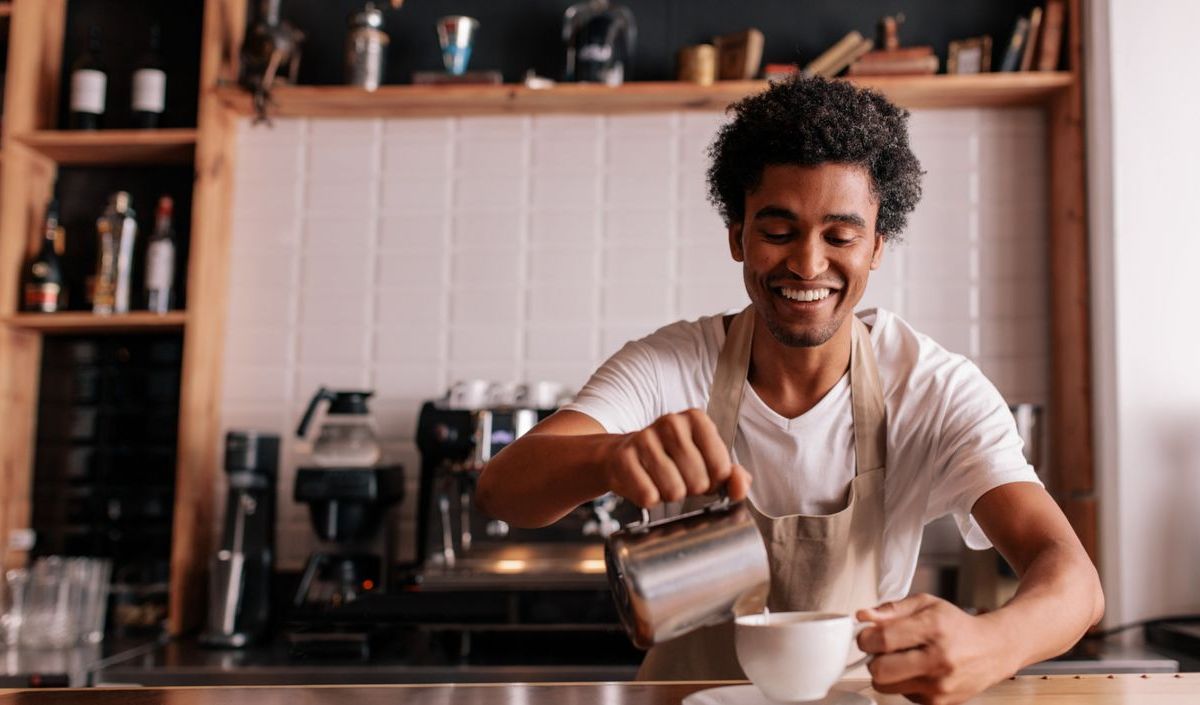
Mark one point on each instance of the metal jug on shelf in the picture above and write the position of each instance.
(696, 569)
(344, 434)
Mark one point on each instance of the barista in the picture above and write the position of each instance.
(852, 431)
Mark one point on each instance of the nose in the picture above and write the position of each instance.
(807, 259)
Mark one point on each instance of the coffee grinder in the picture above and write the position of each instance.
(240, 572)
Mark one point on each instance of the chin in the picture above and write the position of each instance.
(803, 336)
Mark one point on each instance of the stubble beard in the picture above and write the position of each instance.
(807, 338)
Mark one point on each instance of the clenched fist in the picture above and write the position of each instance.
(679, 455)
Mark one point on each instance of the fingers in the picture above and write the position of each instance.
(708, 441)
(662, 469)
(900, 608)
(739, 483)
(899, 667)
(677, 436)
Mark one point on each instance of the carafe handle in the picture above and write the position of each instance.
(322, 394)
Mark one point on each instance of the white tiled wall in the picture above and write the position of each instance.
(401, 255)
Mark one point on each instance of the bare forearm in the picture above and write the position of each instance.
(1058, 600)
(541, 477)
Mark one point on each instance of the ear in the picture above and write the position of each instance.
(735, 242)
(877, 254)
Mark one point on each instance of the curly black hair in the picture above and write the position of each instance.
(810, 121)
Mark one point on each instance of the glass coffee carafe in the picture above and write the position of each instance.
(342, 432)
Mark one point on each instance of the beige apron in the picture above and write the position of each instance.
(828, 563)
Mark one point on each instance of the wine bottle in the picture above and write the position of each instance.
(89, 86)
(160, 259)
(43, 275)
(149, 86)
(116, 231)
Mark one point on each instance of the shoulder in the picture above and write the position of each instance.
(911, 362)
(684, 343)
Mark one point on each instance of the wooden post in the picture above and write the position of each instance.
(203, 346)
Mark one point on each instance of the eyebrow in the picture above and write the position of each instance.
(785, 214)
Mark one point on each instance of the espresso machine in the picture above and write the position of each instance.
(240, 572)
(458, 546)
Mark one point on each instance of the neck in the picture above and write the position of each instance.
(792, 380)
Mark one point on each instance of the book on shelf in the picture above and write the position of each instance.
(911, 66)
(1031, 42)
(1016, 45)
(903, 53)
(780, 72)
(1052, 34)
(833, 60)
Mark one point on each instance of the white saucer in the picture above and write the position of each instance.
(751, 695)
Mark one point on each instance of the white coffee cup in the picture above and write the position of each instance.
(796, 656)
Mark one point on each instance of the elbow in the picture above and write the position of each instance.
(1097, 600)
(485, 494)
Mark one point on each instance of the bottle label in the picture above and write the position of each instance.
(149, 90)
(42, 297)
(88, 88)
(160, 266)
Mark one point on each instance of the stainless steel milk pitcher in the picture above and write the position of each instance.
(674, 575)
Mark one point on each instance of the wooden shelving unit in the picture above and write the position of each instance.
(942, 91)
(83, 322)
(104, 147)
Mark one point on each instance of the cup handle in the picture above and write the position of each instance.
(867, 658)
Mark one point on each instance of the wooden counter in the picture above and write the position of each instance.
(1156, 689)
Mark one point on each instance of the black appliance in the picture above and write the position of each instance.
(240, 571)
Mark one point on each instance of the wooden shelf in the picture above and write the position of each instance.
(942, 91)
(87, 147)
(84, 322)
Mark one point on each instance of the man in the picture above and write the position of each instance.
(856, 430)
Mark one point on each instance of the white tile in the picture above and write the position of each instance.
(693, 191)
(331, 344)
(252, 233)
(950, 187)
(1015, 337)
(494, 370)
(930, 259)
(412, 269)
(998, 222)
(1016, 258)
(416, 341)
(554, 127)
(655, 153)
(341, 160)
(486, 306)
(704, 122)
(641, 124)
(418, 128)
(494, 155)
(414, 232)
(281, 131)
(255, 383)
(261, 164)
(1018, 379)
(325, 270)
(278, 201)
(424, 380)
(405, 305)
(488, 229)
(474, 268)
(636, 303)
(338, 233)
(493, 126)
(249, 416)
(572, 375)
(1014, 298)
(698, 299)
(560, 343)
(416, 159)
(349, 129)
(262, 271)
(566, 152)
(397, 420)
(636, 264)
(310, 377)
(553, 227)
(255, 306)
(642, 226)
(405, 196)
(562, 304)
(646, 190)
(488, 192)
(693, 148)
(340, 198)
(347, 306)
(934, 123)
(258, 345)
(565, 190)
(483, 343)
(943, 300)
(563, 265)
(707, 264)
(704, 225)
(614, 337)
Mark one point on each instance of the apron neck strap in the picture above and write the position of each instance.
(866, 390)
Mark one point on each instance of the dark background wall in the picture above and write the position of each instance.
(516, 35)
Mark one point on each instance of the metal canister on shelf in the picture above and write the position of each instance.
(366, 48)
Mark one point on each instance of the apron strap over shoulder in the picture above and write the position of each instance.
(729, 381)
(866, 401)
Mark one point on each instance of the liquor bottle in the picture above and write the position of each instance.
(43, 276)
(160, 259)
(89, 86)
(116, 230)
(149, 85)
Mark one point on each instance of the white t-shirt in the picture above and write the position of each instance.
(950, 435)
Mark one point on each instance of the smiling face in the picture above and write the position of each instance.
(807, 246)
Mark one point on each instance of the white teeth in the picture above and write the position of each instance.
(805, 294)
